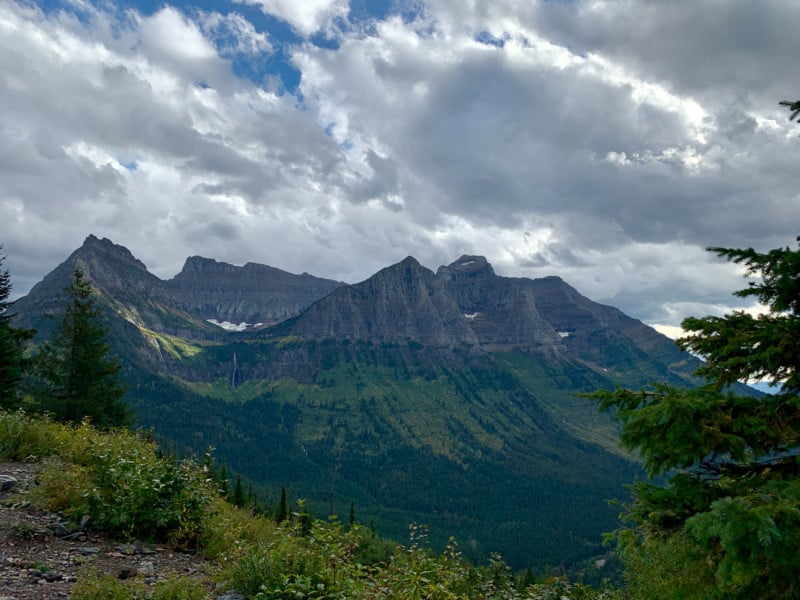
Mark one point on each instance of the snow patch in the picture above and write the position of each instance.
(471, 317)
(466, 263)
(564, 334)
(228, 326)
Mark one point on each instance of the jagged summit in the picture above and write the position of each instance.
(463, 303)
(467, 266)
(108, 264)
(203, 291)
(93, 244)
(104, 264)
(402, 302)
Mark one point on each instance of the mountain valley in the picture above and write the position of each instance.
(447, 398)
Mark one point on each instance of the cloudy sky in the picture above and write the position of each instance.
(605, 141)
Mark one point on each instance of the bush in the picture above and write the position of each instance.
(228, 530)
(116, 478)
(92, 586)
(23, 436)
(179, 588)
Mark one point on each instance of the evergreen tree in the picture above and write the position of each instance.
(80, 380)
(303, 518)
(727, 522)
(251, 499)
(238, 492)
(282, 510)
(11, 342)
(352, 513)
(224, 488)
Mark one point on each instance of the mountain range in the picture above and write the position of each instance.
(449, 398)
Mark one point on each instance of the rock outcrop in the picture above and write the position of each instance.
(500, 310)
(404, 302)
(254, 293)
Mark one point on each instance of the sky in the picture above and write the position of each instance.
(608, 142)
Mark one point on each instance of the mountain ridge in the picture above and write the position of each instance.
(444, 397)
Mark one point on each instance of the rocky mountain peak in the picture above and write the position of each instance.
(404, 301)
(98, 256)
(195, 265)
(104, 247)
(467, 267)
(110, 266)
(254, 294)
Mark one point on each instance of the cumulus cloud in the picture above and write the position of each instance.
(306, 17)
(607, 142)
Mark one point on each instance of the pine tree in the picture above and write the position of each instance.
(80, 379)
(11, 342)
(238, 492)
(224, 488)
(352, 513)
(727, 522)
(282, 510)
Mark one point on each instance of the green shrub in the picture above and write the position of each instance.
(23, 436)
(228, 530)
(179, 588)
(92, 586)
(117, 478)
(134, 492)
(61, 485)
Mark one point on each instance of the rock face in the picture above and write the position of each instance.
(400, 303)
(548, 316)
(111, 269)
(465, 304)
(500, 310)
(250, 294)
(205, 289)
(596, 333)
(106, 264)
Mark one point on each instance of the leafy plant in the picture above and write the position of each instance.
(120, 480)
(94, 586)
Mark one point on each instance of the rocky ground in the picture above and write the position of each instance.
(41, 557)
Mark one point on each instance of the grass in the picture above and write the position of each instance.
(96, 586)
(178, 348)
(222, 389)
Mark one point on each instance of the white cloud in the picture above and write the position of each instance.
(172, 35)
(233, 34)
(552, 137)
(306, 16)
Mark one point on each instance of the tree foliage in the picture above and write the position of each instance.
(282, 510)
(793, 106)
(78, 378)
(727, 522)
(11, 345)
